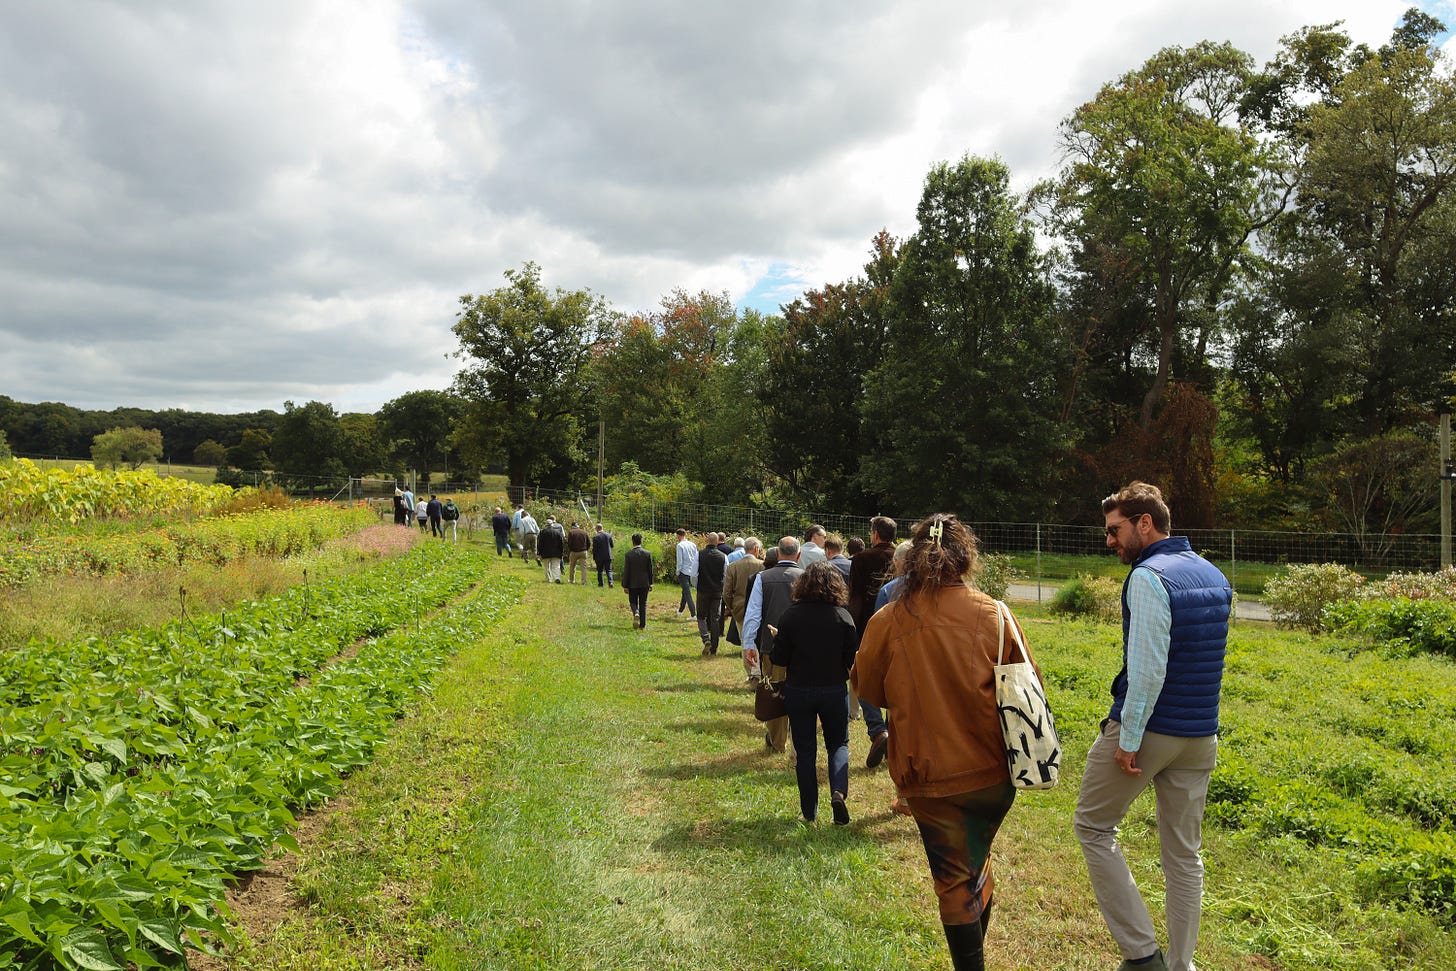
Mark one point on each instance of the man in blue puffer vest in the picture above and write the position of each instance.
(1162, 729)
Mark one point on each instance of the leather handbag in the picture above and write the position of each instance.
(1033, 752)
(768, 701)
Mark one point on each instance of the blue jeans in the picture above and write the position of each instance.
(826, 705)
(874, 719)
(604, 567)
(502, 543)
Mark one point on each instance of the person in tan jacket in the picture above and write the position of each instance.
(928, 656)
(736, 581)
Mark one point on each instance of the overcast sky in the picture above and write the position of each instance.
(221, 206)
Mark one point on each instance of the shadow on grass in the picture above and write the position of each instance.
(730, 725)
(753, 762)
(770, 836)
(693, 686)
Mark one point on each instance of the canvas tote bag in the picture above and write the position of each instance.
(1032, 750)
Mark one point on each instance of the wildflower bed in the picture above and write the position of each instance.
(216, 540)
(139, 772)
(35, 494)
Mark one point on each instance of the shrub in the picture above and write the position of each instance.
(996, 575)
(1422, 625)
(1413, 586)
(1298, 597)
(1096, 598)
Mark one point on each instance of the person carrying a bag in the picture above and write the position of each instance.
(929, 657)
(815, 642)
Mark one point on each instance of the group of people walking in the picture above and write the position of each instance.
(902, 637)
(907, 630)
(551, 545)
(431, 514)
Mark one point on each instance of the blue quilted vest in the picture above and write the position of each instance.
(1200, 598)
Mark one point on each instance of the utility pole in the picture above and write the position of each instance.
(601, 449)
(1448, 473)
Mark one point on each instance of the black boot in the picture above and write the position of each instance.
(966, 948)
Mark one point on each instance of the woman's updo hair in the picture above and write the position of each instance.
(821, 581)
(934, 562)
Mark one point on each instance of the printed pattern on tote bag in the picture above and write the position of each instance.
(1033, 751)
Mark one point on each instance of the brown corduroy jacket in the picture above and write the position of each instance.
(929, 660)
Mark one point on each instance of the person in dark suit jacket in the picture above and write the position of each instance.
(637, 574)
(712, 565)
(602, 553)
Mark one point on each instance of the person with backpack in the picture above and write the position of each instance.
(451, 516)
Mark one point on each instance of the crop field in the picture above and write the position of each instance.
(139, 771)
(495, 772)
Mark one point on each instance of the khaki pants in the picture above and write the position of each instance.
(1178, 770)
(574, 559)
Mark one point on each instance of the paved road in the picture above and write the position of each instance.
(1246, 608)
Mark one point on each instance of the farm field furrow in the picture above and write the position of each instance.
(140, 771)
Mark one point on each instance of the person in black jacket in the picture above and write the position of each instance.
(637, 574)
(816, 641)
(550, 547)
(712, 564)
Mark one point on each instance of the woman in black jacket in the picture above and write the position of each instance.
(816, 640)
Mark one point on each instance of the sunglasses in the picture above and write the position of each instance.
(1112, 528)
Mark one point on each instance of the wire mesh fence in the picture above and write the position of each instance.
(1055, 549)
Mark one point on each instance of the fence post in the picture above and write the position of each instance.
(1038, 563)
(1234, 571)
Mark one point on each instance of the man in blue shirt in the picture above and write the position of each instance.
(1162, 728)
(687, 572)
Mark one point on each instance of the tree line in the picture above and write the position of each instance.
(1239, 284)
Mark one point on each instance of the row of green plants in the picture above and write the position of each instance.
(217, 540)
(140, 772)
(35, 494)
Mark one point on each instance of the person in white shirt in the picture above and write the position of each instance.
(687, 572)
(813, 549)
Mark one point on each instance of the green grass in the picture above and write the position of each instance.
(582, 795)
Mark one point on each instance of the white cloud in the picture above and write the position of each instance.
(224, 206)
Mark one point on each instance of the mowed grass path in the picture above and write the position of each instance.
(578, 794)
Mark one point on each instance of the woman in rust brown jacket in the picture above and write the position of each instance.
(928, 657)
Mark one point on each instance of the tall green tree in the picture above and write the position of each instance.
(364, 448)
(817, 367)
(1163, 187)
(309, 444)
(417, 425)
(251, 452)
(1353, 323)
(1379, 189)
(132, 447)
(962, 409)
(524, 383)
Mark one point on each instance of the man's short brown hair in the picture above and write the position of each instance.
(884, 528)
(1137, 499)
